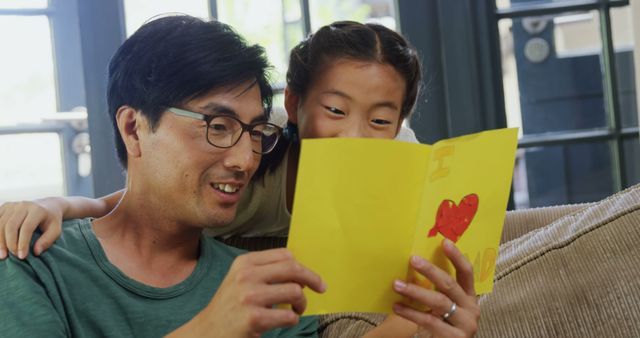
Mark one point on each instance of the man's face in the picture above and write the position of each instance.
(197, 183)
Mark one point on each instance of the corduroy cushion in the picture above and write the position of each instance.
(348, 324)
(520, 222)
(576, 277)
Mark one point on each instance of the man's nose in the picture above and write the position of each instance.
(241, 157)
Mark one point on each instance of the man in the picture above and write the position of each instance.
(182, 93)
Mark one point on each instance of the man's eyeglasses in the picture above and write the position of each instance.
(224, 131)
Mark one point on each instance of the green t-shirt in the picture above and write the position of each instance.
(72, 290)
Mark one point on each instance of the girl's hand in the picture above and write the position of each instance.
(454, 310)
(19, 220)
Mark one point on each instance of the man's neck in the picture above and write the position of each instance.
(145, 244)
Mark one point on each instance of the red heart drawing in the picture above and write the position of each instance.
(453, 220)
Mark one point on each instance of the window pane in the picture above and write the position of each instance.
(23, 4)
(502, 4)
(587, 24)
(520, 188)
(27, 89)
(137, 12)
(622, 31)
(552, 73)
(274, 24)
(278, 104)
(324, 12)
(577, 33)
(631, 151)
(35, 168)
(563, 174)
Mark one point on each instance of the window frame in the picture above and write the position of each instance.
(472, 47)
(66, 52)
(614, 132)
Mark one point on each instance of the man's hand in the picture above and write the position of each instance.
(454, 309)
(243, 306)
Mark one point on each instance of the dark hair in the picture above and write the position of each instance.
(174, 59)
(349, 40)
(357, 41)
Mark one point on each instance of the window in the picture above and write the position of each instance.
(324, 12)
(137, 12)
(23, 4)
(28, 89)
(277, 25)
(569, 85)
(28, 94)
(561, 70)
(46, 145)
(35, 168)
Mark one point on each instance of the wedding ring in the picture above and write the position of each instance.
(452, 310)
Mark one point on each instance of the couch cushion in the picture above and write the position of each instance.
(522, 221)
(578, 276)
(348, 324)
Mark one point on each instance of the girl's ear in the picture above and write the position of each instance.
(128, 120)
(291, 102)
(399, 126)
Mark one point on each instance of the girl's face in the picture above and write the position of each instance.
(350, 99)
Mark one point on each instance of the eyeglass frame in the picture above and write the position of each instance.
(245, 127)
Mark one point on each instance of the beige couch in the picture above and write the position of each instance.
(567, 271)
(576, 276)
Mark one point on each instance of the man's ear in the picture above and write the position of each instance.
(129, 122)
(291, 102)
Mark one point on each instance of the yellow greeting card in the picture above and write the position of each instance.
(362, 207)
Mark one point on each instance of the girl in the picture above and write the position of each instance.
(346, 80)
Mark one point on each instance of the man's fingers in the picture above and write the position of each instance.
(51, 232)
(464, 269)
(270, 295)
(443, 281)
(432, 323)
(264, 319)
(266, 256)
(290, 271)
(276, 266)
(451, 298)
(438, 303)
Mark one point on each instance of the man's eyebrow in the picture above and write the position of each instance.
(213, 108)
